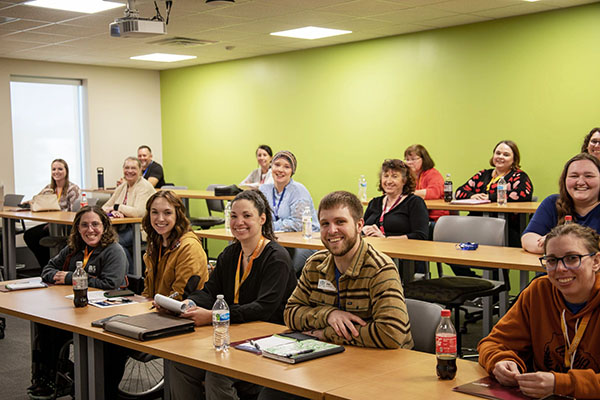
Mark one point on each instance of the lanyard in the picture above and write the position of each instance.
(146, 170)
(86, 256)
(238, 282)
(126, 193)
(59, 192)
(494, 180)
(276, 206)
(384, 211)
(571, 347)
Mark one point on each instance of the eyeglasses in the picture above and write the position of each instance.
(570, 261)
(595, 142)
(85, 225)
(407, 160)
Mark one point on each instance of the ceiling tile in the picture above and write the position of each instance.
(365, 8)
(414, 15)
(460, 19)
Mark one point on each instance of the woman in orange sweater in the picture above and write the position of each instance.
(548, 342)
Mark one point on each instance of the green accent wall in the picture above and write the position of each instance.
(343, 109)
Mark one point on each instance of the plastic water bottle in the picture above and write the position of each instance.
(220, 321)
(228, 218)
(83, 202)
(307, 223)
(448, 189)
(445, 347)
(362, 188)
(80, 286)
(501, 188)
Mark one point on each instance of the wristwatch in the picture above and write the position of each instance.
(116, 207)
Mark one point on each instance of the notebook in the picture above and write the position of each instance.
(148, 326)
(489, 388)
(293, 350)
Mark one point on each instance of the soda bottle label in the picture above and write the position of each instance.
(445, 344)
(220, 317)
(79, 284)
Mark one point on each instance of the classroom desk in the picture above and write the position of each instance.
(315, 379)
(11, 214)
(518, 207)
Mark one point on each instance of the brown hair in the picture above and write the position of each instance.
(342, 198)
(564, 203)
(398, 165)
(587, 138)
(65, 187)
(109, 236)
(145, 147)
(260, 202)
(589, 236)
(516, 155)
(182, 224)
(422, 152)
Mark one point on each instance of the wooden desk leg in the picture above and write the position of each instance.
(81, 366)
(95, 358)
(9, 258)
(137, 250)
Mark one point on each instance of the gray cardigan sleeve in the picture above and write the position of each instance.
(54, 265)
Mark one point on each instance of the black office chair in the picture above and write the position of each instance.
(11, 200)
(210, 221)
(454, 291)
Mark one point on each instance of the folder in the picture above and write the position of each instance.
(148, 326)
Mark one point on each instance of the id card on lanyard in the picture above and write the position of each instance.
(276, 206)
(238, 281)
(385, 211)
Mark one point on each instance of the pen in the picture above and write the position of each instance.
(297, 353)
(171, 296)
(253, 343)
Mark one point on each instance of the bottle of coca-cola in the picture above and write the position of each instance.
(448, 190)
(445, 347)
(80, 286)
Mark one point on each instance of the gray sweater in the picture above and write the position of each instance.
(106, 266)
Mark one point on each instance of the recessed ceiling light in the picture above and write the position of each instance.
(82, 6)
(162, 57)
(531, 1)
(310, 32)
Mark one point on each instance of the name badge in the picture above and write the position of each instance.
(92, 269)
(324, 284)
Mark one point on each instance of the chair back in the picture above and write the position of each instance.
(424, 320)
(214, 205)
(12, 200)
(463, 228)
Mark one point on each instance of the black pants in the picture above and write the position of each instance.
(32, 237)
(47, 342)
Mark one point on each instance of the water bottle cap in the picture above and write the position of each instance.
(220, 297)
(446, 313)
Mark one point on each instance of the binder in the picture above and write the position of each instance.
(149, 326)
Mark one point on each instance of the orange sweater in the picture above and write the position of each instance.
(530, 334)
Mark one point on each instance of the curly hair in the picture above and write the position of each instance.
(109, 236)
(182, 224)
(587, 138)
(260, 202)
(589, 236)
(407, 176)
(516, 154)
(565, 205)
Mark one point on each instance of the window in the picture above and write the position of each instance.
(46, 124)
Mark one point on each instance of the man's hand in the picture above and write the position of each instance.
(342, 323)
(59, 277)
(317, 333)
(506, 373)
(536, 384)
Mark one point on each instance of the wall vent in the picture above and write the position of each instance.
(182, 42)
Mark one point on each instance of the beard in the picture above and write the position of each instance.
(349, 242)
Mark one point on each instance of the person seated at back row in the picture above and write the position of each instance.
(129, 200)
(548, 343)
(151, 170)
(591, 143)
(67, 194)
(288, 199)
(579, 197)
(262, 174)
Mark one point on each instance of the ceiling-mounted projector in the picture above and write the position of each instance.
(132, 25)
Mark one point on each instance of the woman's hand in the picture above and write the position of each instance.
(536, 384)
(199, 315)
(372, 230)
(506, 372)
(59, 277)
(480, 196)
(117, 214)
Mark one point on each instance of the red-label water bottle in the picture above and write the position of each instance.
(445, 347)
(84, 201)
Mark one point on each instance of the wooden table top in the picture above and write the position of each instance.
(521, 207)
(311, 379)
(54, 217)
(419, 250)
(198, 194)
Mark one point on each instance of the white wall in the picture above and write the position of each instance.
(123, 112)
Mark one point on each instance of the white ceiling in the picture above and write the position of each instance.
(240, 29)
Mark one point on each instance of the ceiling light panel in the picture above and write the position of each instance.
(162, 57)
(82, 6)
(311, 32)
